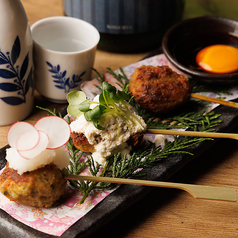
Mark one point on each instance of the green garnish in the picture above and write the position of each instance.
(112, 103)
(74, 98)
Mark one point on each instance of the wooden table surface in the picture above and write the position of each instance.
(163, 212)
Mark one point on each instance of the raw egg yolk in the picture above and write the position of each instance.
(218, 59)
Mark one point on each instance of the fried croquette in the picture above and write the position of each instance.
(159, 89)
(38, 188)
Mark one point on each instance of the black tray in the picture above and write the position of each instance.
(124, 196)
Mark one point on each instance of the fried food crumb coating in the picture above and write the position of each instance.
(80, 141)
(159, 89)
(38, 188)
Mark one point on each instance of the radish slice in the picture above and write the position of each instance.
(26, 141)
(42, 145)
(19, 129)
(56, 128)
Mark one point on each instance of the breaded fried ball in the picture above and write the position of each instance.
(38, 188)
(159, 89)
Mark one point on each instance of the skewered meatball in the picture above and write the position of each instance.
(159, 89)
(39, 188)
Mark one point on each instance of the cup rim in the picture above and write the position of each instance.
(67, 18)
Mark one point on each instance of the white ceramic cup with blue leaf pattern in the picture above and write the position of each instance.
(16, 63)
(64, 51)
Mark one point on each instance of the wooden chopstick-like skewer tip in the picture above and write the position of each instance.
(197, 191)
(215, 100)
(193, 133)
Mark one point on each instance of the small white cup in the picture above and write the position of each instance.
(64, 50)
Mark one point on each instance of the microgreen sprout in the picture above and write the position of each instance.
(111, 103)
(74, 98)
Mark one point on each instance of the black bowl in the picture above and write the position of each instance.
(182, 42)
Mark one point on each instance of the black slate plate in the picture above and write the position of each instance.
(124, 196)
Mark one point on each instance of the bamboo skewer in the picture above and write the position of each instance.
(197, 191)
(194, 133)
(215, 100)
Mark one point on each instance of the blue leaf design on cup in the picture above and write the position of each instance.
(17, 83)
(16, 49)
(24, 67)
(6, 74)
(63, 82)
(49, 64)
(9, 87)
(13, 100)
(3, 61)
(64, 73)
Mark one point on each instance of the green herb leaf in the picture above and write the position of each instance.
(84, 106)
(108, 87)
(73, 110)
(93, 114)
(97, 125)
(123, 95)
(104, 98)
(74, 98)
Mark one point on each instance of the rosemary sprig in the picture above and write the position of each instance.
(148, 155)
(122, 80)
(195, 121)
(54, 112)
(78, 164)
(88, 186)
(75, 165)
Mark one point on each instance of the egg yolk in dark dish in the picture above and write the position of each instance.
(218, 59)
